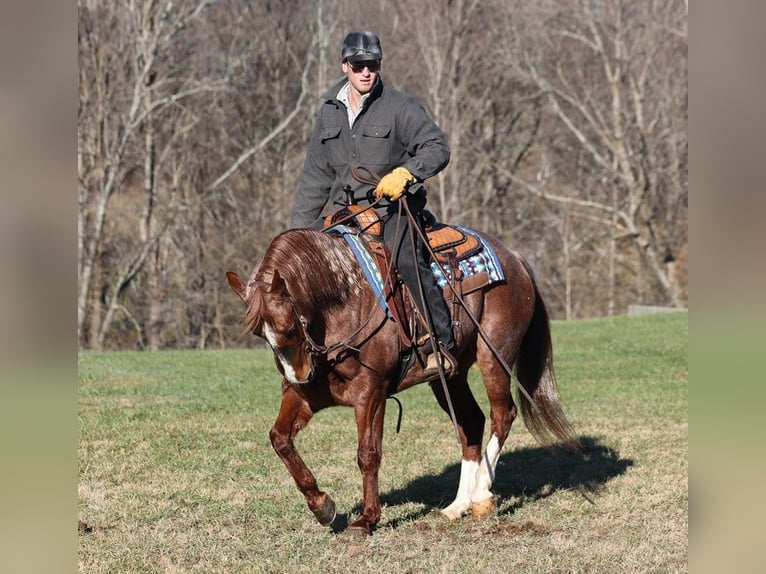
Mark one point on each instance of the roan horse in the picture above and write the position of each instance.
(334, 345)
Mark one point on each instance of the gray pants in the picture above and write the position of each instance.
(411, 265)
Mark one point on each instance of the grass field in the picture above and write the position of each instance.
(176, 473)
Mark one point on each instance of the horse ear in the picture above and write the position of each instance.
(236, 284)
(278, 285)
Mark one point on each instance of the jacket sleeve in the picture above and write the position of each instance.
(426, 144)
(316, 182)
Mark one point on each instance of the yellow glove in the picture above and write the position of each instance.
(393, 185)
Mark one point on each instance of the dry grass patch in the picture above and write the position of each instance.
(177, 474)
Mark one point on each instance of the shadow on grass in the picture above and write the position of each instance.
(523, 476)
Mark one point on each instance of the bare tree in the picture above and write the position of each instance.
(172, 124)
(567, 123)
(614, 75)
(121, 100)
(489, 117)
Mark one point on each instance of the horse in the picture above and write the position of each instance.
(333, 344)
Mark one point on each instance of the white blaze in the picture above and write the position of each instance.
(287, 368)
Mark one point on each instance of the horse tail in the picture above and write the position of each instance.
(544, 417)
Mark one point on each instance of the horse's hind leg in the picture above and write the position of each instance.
(294, 414)
(502, 414)
(470, 422)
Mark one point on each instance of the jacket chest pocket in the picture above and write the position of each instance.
(374, 144)
(336, 152)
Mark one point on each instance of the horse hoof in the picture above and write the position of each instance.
(327, 513)
(483, 509)
(451, 513)
(360, 528)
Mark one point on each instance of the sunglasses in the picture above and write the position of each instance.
(358, 67)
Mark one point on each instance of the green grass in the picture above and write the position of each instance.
(176, 473)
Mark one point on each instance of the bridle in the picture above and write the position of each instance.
(317, 351)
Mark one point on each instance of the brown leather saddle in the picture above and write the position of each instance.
(449, 244)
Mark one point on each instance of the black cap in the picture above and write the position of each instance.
(361, 46)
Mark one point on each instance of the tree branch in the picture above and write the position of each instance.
(279, 128)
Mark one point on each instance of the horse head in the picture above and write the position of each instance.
(272, 315)
(303, 277)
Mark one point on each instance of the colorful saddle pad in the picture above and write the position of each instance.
(474, 272)
(471, 268)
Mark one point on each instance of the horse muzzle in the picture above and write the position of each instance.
(309, 378)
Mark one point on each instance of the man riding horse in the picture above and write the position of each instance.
(364, 124)
(333, 343)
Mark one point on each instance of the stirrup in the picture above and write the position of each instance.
(448, 364)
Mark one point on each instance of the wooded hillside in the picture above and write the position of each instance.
(567, 121)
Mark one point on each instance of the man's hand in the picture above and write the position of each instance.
(393, 185)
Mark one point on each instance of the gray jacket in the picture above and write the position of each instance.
(392, 130)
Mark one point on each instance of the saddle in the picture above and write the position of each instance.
(450, 246)
(448, 243)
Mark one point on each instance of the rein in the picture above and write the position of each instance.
(317, 350)
(314, 348)
(372, 178)
(459, 298)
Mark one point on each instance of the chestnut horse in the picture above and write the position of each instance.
(334, 345)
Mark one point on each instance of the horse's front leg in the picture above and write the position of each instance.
(294, 414)
(369, 424)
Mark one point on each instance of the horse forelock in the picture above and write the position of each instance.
(319, 270)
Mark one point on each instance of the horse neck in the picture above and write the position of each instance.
(326, 288)
(320, 270)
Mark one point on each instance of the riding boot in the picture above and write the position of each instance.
(442, 326)
(415, 272)
(438, 311)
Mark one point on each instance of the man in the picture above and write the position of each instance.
(364, 123)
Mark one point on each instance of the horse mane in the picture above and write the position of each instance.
(319, 271)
